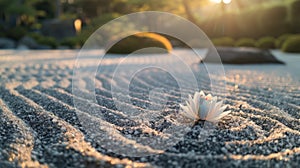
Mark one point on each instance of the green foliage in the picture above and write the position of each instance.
(295, 12)
(35, 36)
(17, 7)
(23, 11)
(279, 12)
(72, 42)
(140, 41)
(292, 44)
(255, 21)
(16, 33)
(223, 41)
(281, 39)
(95, 8)
(246, 21)
(273, 21)
(295, 16)
(49, 41)
(266, 43)
(48, 8)
(245, 42)
(103, 19)
(2, 33)
(94, 24)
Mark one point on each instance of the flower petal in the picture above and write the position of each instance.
(186, 112)
(184, 108)
(217, 114)
(196, 100)
(202, 94)
(219, 104)
(222, 115)
(208, 97)
(204, 109)
(192, 105)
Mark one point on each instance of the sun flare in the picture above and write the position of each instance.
(216, 1)
(227, 1)
(220, 1)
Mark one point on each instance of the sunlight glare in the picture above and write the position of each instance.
(220, 1)
(216, 1)
(227, 1)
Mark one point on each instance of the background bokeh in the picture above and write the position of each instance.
(64, 24)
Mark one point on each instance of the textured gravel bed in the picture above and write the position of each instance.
(40, 126)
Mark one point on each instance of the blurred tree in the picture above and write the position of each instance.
(57, 8)
(96, 8)
(18, 12)
(188, 11)
(48, 6)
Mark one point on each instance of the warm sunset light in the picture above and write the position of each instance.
(220, 1)
(77, 25)
(227, 1)
(149, 83)
(216, 1)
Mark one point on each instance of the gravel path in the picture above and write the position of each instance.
(39, 126)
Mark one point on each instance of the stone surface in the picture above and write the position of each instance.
(43, 47)
(6, 43)
(22, 47)
(63, 47)
(232, 55)
(58, 29)
(29, 42)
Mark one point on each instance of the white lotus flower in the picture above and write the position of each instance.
(203, 107)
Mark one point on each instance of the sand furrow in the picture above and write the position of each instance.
(57, 142)
(41, 127)
(16, 140)
(58, 106)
